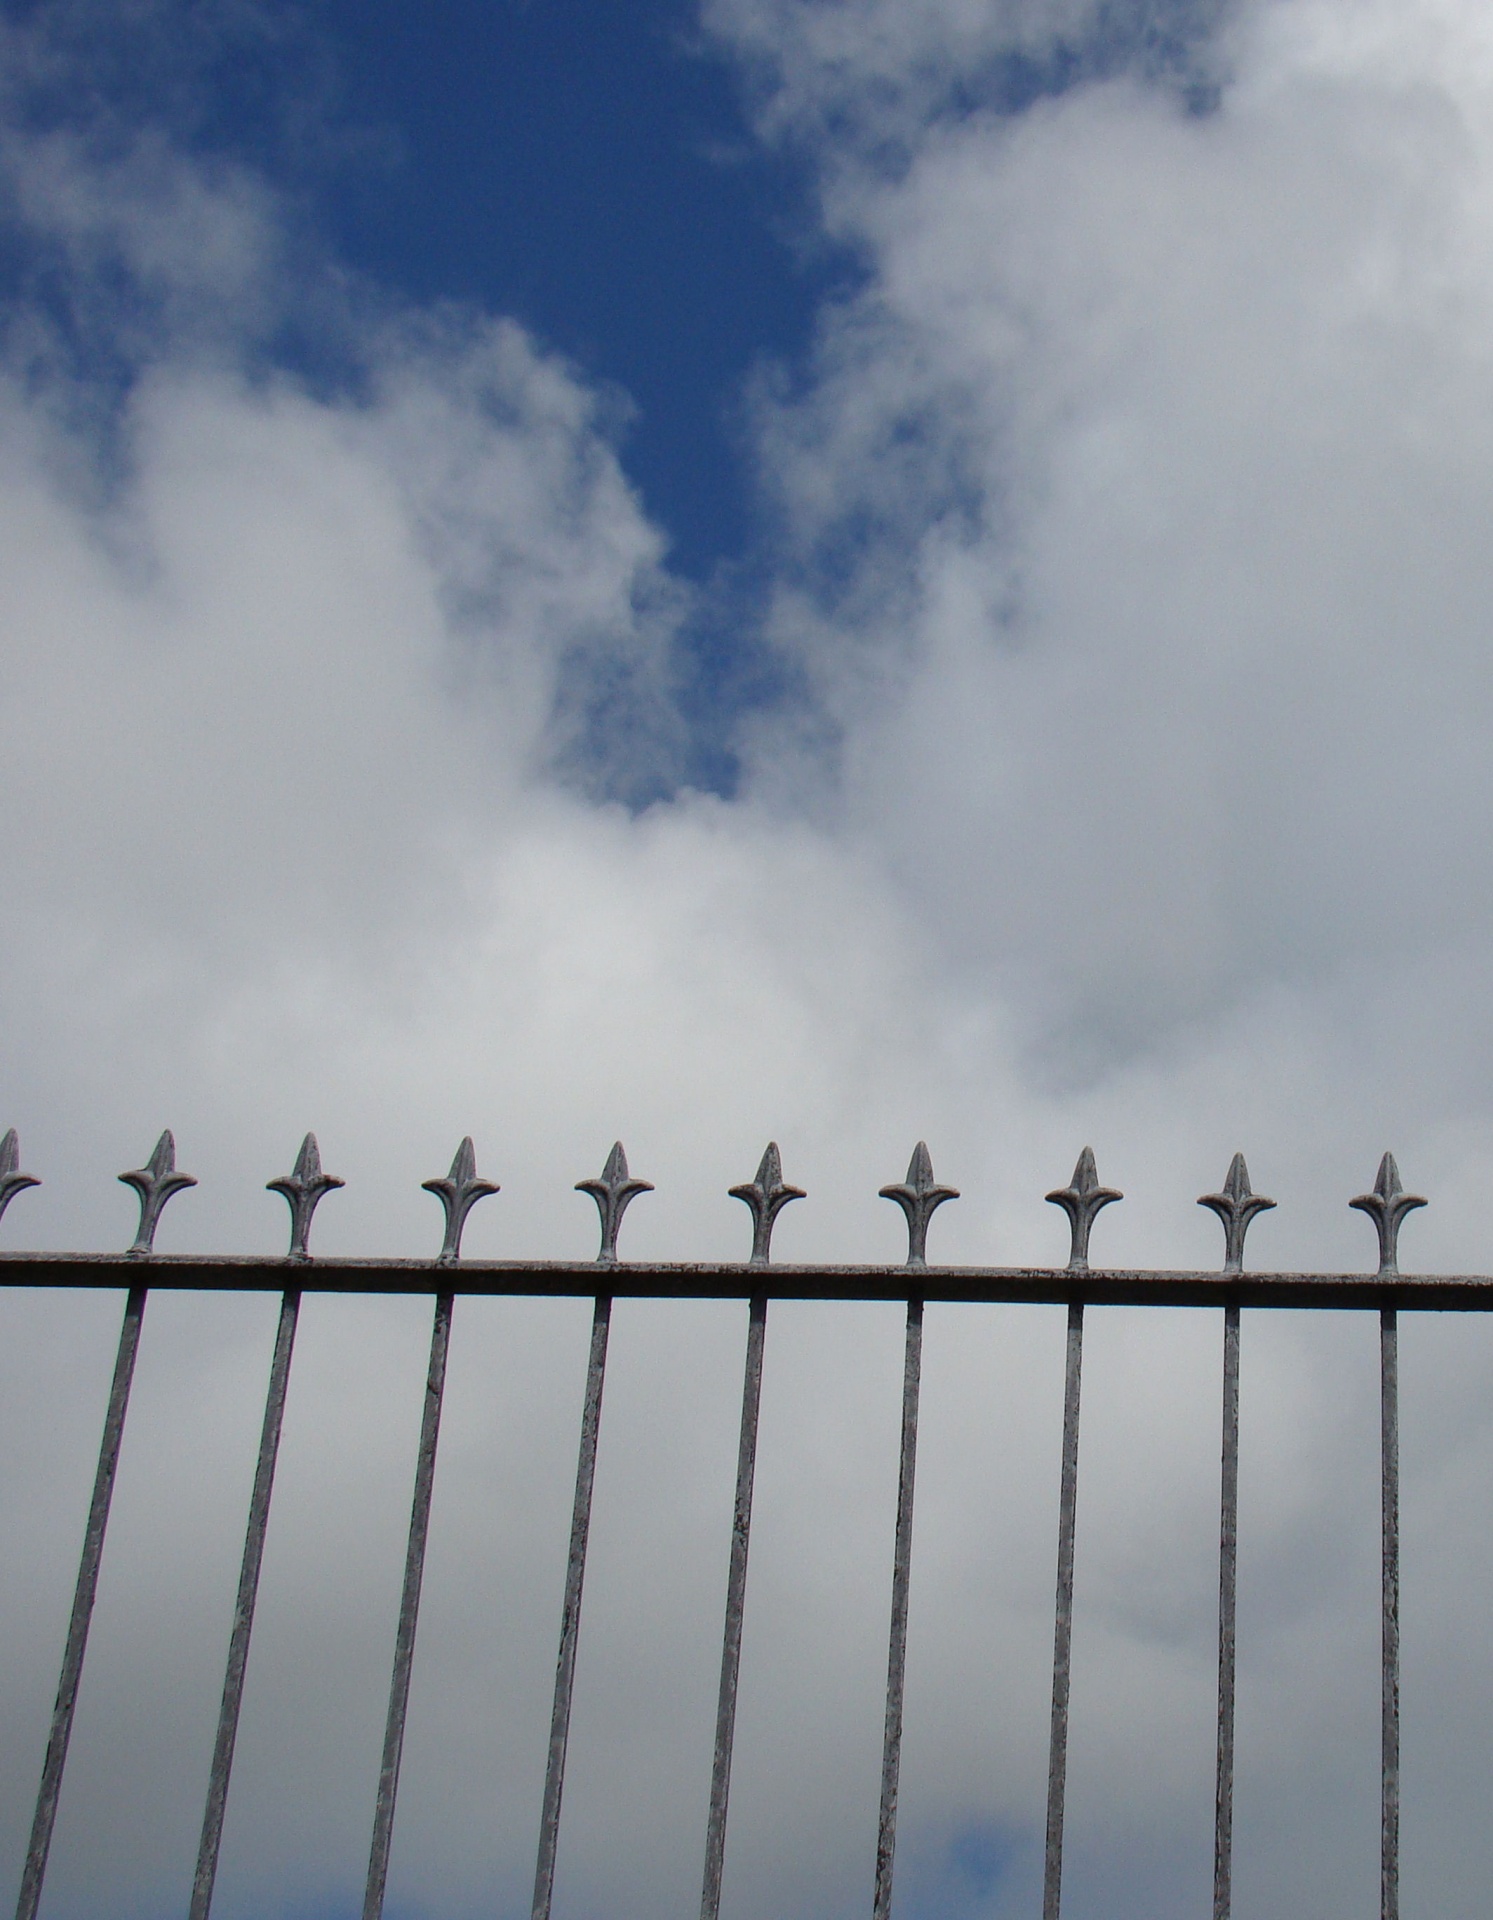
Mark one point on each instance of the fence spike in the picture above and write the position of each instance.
(458, 1193)
(1387, 1207)
(33, 1873)
(766, 1196)
(918, 1196)
(409, 1612)
(303, 1190)
(12, 1180)
(155, 1183)
(613, 1193)
(1236, 1206)
(1081, 1200)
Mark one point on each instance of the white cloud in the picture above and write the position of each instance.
(1176, 425)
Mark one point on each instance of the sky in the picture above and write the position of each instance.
(839, 571)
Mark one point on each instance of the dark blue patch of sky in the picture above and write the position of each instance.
(582, 165)
(585, 166)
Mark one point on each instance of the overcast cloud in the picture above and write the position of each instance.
(1128, 572)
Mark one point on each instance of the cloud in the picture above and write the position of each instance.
(1176, 488)
(860, 81)
(1127, 559)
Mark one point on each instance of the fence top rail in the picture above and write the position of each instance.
(730, 1280)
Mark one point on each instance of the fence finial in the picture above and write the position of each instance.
(458, 1193)
(155, 1183)
(613, 1193)
(1387, 1206)
(1236, 1206)
(303, 1189)
(12, 1181)
(766, 1196)
(1081, 1200)
(918, 1196)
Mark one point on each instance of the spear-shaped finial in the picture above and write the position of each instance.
(458, 1193)
(613, 1193)
(918, 1196)
(1387, 1206)
(1081, 1200)
(303, 1190)
(1236, 1206)
(12, 1181)
(766, 1196)
(155, 1183)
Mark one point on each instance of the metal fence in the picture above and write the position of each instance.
(756, 1281)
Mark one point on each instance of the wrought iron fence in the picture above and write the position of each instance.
(757, 1281)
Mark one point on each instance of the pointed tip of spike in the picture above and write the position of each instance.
(1236, 1205)
(303, 1190)
(12, 1180)
(1083, 1199)
(1387, 1206)
(155, 1184)
(613, 1193)
(765, 1195)
(458, 1192)
(918, 1196)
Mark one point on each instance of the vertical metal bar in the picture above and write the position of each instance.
(1228, 1556)
(243, 1612)
(35, 1868)
(409, 1612)
(896, 1665)
(1389, 1445)
(1062, 1646)
(741, 1530)
(570, 1615)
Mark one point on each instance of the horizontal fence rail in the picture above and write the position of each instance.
(721, 1280)
(757, 1280)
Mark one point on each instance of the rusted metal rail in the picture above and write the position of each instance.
(756, 1281)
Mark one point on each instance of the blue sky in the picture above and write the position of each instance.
(589, 169)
